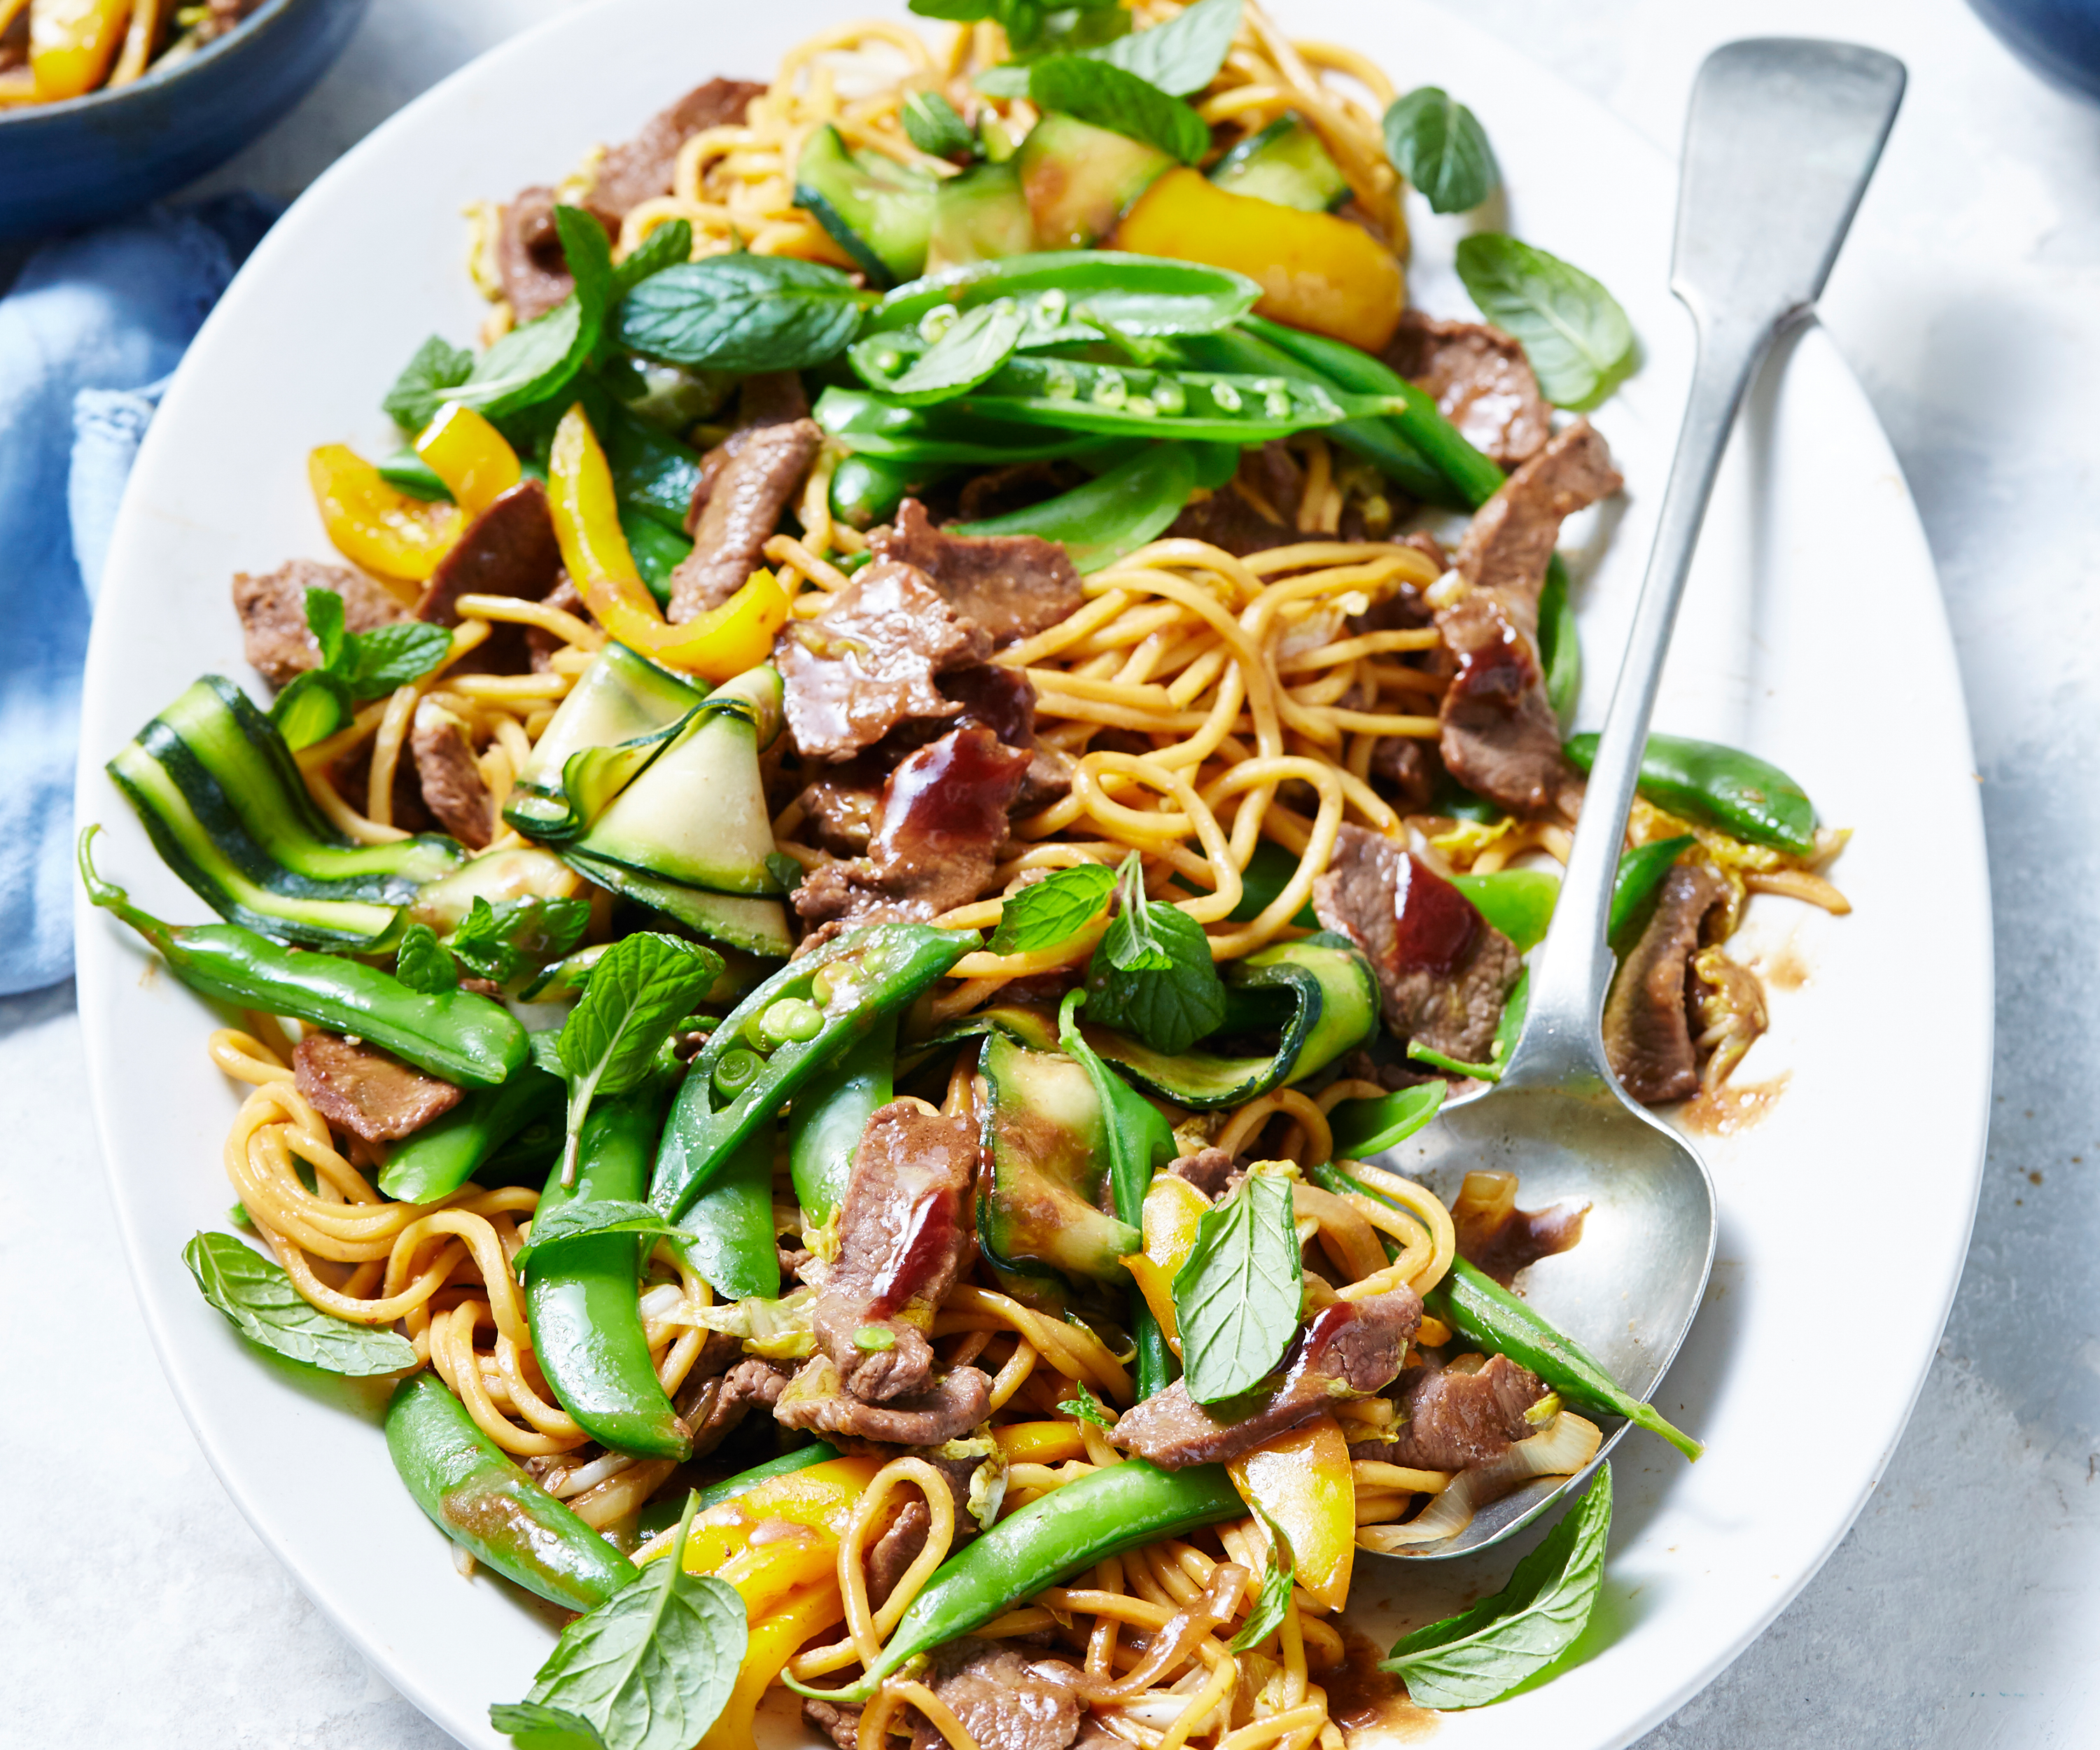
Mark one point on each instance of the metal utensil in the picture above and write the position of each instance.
(1780, 142)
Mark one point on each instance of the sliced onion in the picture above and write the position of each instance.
(1561, 1449)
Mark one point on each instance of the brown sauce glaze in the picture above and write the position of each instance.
(1732, 1108)
(948, 797)
(922, 1253)
(1436, 924)
(1500, 669)
(1371, 1705)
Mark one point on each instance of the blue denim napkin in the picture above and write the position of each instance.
(88, 335)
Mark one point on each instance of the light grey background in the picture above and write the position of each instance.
(136, 1606)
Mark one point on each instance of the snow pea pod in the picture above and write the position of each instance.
(1117, 1508)
(1476, 476)
(486, 1505)
(850, 984)
(869, 424)
(1110, 516)
(1640, 872)
(1222, 406)
(440, 1157)
(1136, 294)
(1378, 441)
(1486, 1313)
(581, 1294)
(459, 1036)
(733, 1248)
(1519, 903)
(1720, 787)
(867, 490)
(825, 1127)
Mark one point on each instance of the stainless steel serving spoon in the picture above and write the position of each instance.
(1781, 137)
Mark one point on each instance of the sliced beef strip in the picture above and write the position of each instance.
(900, 1546)
(1278, 476)
(1457, 1420)
(452, 786)
(1406, 771)
(1648, 1026)
(1014, 586)
(721, 1403)
(1002, 490)
(370, 1093)
(1226, 520)
(902, 1237)
(1005, 1699)
(1208, 1170)
(743, 513)
(1047, 780)
(936, 838)
(509, 549)
(272, 606)
(528, 255)
(1499, 1239)
(1443, 971)
(1482, 381)
(840, 808)
(945, 1411)
(641, 169)
(1350, 1349)
(768, 397)
(839, 1721)
(867, 664)
(1500, 737)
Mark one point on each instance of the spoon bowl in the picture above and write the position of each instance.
(1780, 139)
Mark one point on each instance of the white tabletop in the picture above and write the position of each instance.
(137, 1607)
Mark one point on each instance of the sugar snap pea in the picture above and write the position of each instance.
(1221, 407)
(1640, 872)
(829, 1115)
(1136, 295)
(478, 1497)
(1110, 516)
(443, 1156)
(869, 424)
(867, 490)
(1117, 1508)
(1720, 787)
(462, 1037)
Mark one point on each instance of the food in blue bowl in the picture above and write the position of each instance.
(107, 103)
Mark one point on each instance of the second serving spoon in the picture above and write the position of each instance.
(1781, 137)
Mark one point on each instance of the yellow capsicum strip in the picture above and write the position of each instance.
(1040, 1442)
(470, 456)
(71, 43)
(1302, 1480)
(373, 525)
(719, 645)
(1172, 1209)
(1315, 270)
(774, 1642)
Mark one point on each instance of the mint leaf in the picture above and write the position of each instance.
(651, 1667)
(1482, 1654)
(1182, 55)
(377, 661)
(1153, 974)
(534, 362)
(324, 621)
(639, 989)
(1237, 1298)
(534, 1726)
(422, 964)
(312, 707)
(256, 1294)
(584, 1217)
(742, 313)
(669, 243)
(500, 942)
(1105, 94)
(413, 401)
(933, 125)
(1053, 910)
(1578, 340)
(1438, 145)
(1087, 1408)
(1266, 1615)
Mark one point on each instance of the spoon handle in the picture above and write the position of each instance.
(1780, 139)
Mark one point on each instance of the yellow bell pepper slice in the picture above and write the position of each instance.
(1172, 1209)
(820, 1495)
(71, 43)
(470, 456)
(1315, 271)
(719, 645)
(774, 1642)
(374, 526)
(1039, 1442)
(1302, 1480)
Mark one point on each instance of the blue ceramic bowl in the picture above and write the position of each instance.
(63, 166)
(2060, 39)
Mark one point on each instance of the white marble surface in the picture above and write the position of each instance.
(1964, 1609)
